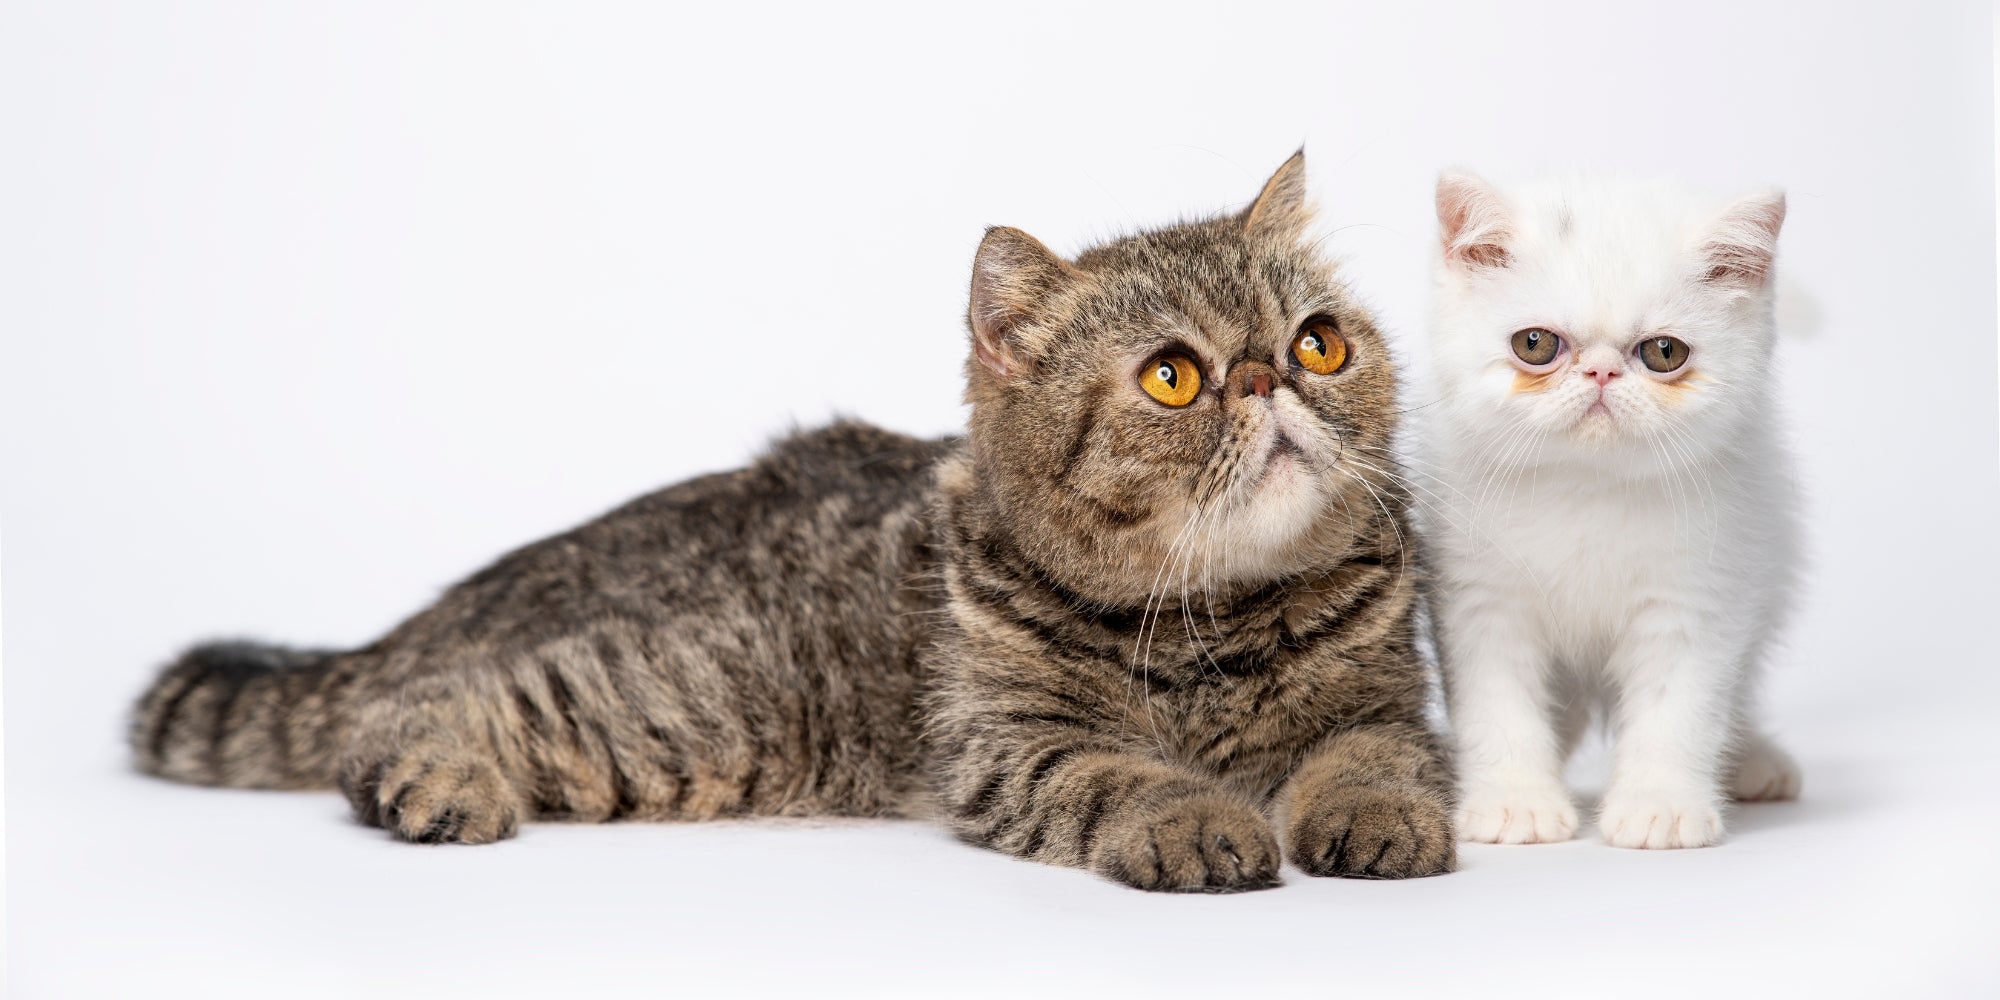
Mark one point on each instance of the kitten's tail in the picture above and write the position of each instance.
(244, 715)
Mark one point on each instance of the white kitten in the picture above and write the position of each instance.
(1612, 525)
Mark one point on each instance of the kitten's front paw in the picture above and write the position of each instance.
(1201, 843)
(1765, 773)
(1356, 831)
(1495, 815)
(1659, 821)
(434, 798)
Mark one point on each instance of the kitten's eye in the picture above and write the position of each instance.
(1172, 379)
(1536, 346)
(1320, 347)
(1664, 354)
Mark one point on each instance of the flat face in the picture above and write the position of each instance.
(1602, 333)
(1198, 393)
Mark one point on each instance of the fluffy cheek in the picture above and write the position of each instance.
(1683, 397)
(1510, 401)
(1529, 383)
(1148, 456)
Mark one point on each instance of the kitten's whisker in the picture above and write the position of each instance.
(1677, 424)
(1509, 445)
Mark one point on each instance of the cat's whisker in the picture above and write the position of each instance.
(1466, 521)
(1673, 481)
(1499, 474)
(1511, 441)
(1149, 622)
(1402, 546)
(1678, 429)
(1203, 520)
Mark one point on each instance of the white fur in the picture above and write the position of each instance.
(1635, 562)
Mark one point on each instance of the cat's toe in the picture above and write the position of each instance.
(1364, 832)
(1657, 821)
(1200, 843)
(1516, 816)
(447, 799)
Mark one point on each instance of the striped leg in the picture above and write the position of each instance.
(1371, 802)
(1068, 796)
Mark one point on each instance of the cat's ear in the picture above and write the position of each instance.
(1741, 247)
(1473, 222)
(1283, 208)
(1011, 274)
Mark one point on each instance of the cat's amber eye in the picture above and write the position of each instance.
(1171, 378)
(1536, 346)
(1663, 354)
(1319, 347)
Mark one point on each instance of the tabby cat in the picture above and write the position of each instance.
(1152, 603)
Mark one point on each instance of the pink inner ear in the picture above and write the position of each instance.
(1012, 273)
(992, 319)
(1744, 245)
(993, 353)
(1727, 266)
(1472, 224)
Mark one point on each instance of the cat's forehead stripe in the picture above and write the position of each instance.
(1217, 289)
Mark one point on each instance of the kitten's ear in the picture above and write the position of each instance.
(1283, 208)
(1011, 274)
(1473, 222)
(1741, 247)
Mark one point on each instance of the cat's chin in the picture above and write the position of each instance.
(1598, 425)
(1262, 534)
(1614, 444)
(1599, 428)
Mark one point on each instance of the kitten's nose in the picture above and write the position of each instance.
(1252, 378)
(1600, 363)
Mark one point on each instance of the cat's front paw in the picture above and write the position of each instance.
(1199, 843)
(1357, 831)
(1516, 815)
(1659, 821)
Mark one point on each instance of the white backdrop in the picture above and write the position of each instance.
(309, 310)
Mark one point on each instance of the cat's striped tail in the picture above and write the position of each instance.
(244, 715)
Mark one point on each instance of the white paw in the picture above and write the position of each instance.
(1516, 815)
(1765, 774)
(1659, 821)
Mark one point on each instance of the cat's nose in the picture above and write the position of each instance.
(1600, 363)
(1252, 378)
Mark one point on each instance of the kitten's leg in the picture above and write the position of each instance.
(1069, 796)
(1371, 802)
(1761, 771)
(1572, 708)
(1510, 786)
(1674, 716)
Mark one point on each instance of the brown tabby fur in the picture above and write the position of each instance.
(1096, 631)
